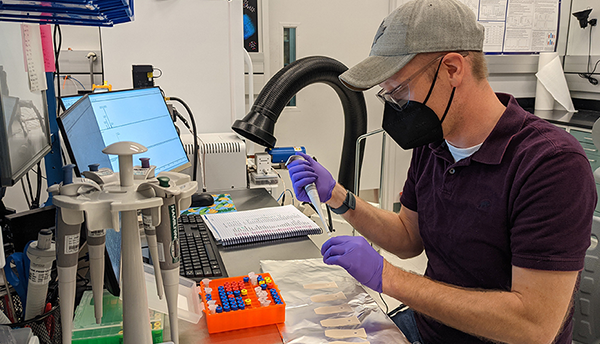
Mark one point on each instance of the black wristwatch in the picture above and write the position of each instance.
(349, 203)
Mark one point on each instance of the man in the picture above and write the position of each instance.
(500, 200)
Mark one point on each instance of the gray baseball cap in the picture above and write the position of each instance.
(419, 26)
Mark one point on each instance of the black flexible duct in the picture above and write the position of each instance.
(259, 123)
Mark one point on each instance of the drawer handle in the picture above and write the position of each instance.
(590, 149)
(591, 160)
(588, 138)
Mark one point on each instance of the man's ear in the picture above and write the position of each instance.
(455, 68)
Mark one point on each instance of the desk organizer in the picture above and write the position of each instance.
(250, 310)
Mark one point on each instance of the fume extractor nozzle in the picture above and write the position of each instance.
(259, 124)
(583, 16)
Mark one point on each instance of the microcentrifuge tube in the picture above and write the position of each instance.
(253, 278)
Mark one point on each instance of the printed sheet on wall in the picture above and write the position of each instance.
(517, 26)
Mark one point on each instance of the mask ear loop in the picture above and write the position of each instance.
(448, 106)
(433, 83)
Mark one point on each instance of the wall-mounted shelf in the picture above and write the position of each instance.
(68, 12)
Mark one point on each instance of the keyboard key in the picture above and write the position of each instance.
(207, 272)
(209, 251)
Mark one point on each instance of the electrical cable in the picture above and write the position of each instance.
(385, 303)
(194, 131)
(158, 69)
(101, 53)
(280, 195)
(284, 190)
(25, 193)
(73, 79)
(589, 75)
(182, 119)
(30, 190)
(38, 191)
(57, 47)
(330, 220)
(41, 176)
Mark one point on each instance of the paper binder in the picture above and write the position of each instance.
(265, 224)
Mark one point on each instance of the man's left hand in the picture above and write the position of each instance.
(356, 255)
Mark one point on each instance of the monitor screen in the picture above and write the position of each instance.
(139, 115)
(24, 137)
(68, 101)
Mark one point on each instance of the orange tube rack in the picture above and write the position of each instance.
(253, 313)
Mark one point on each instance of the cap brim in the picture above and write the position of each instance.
(373, 71)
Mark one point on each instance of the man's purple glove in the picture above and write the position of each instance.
(356, 255)
(304, 172)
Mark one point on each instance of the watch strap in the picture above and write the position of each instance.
(349, 203)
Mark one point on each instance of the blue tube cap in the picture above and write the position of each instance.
(68, 174)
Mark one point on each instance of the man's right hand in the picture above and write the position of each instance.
(304, 172)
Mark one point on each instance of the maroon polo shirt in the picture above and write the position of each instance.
(525, 198)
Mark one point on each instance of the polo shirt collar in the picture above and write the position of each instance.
(494, 146)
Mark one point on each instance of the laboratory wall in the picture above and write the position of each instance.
(580, 44)
(341, 29)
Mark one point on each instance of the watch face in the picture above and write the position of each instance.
(351, 200)
(349, 203)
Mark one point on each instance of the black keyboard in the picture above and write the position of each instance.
(200, 257)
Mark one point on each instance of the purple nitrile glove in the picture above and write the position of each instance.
(304, 172)
(356, 255)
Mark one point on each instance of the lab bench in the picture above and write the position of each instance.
(240, 261)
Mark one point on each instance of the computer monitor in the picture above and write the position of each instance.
(68, 101)
(139, 115)
(24, 137)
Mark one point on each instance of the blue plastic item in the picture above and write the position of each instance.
(282, 154)
(68, 174)
(19, 280)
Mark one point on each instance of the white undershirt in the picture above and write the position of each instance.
(461, 153)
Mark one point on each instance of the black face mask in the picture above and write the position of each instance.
(415, 124)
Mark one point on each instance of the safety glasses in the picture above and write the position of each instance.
(399, 96)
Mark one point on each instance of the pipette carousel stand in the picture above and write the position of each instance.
(101, 207)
